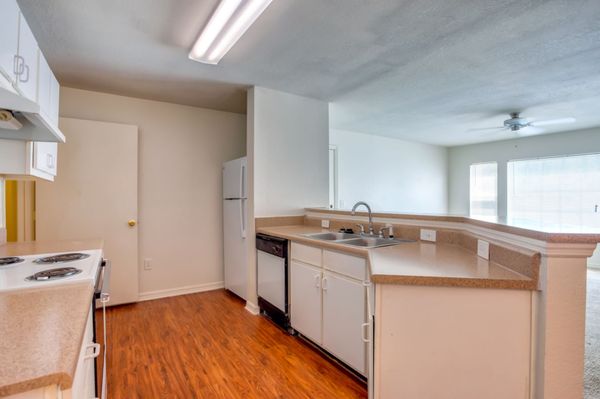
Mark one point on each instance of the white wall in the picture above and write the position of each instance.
(390, 174)
(2, 212)
(287, 148)
(290, 151)
(460, 158)
(181, 150)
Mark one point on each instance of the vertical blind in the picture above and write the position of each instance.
(484, 190)
(561, 192)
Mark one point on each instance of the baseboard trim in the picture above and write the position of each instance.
(252, 308)
(190, 289)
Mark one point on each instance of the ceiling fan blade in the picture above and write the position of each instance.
(550, 122)
(530, 131)
(483, 129)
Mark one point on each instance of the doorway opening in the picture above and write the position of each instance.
(19, 215)
(333, 177)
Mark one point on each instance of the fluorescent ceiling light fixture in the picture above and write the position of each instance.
(230, 21)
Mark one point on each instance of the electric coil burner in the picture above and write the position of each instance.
(62, 258)
(53, 274)
(10, 260)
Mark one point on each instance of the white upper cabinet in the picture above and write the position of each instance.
(54, 99)
(26, 65)
(48, 92)
(27, 85)
(9, 35)
(44, 157)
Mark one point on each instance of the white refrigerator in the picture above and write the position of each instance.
(234, 226)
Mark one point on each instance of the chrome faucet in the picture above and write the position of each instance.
(359, 203)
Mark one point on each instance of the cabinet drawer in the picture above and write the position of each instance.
(306, 254)
(348, 265)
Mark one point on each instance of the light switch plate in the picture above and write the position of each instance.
(428, 235)
(325, 223)
(147, 264)
(483, 249)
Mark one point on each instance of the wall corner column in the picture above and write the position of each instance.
(559, 322)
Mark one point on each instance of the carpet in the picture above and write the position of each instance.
(592, 337)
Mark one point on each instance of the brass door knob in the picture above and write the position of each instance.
(131, 222)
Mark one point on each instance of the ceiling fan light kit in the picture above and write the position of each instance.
(524, 126)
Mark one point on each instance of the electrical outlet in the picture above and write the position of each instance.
(483, 249)
(325, 223)
(147, 264)
(428, 235)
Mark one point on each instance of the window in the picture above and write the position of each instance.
(556, 193)
(484, 190)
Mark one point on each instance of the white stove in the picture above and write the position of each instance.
(44, 270)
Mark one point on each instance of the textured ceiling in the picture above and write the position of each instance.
(425, 70)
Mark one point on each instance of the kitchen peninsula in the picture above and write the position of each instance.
(508, 326)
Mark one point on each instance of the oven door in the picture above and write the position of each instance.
(101, 295)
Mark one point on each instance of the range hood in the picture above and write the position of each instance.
(30, 124)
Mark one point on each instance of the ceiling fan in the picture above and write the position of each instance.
(524, 126)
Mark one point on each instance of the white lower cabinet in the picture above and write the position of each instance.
(306, 313)
(328, 302)
(83, 380)
(343, 319)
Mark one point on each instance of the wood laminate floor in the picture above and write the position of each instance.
(207, 345)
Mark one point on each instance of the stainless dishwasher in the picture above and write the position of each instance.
(272, 278)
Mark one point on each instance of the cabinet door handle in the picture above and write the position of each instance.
(318, 281)
(95, 351)
(18, 63)
(325, 285)
(50, 161)
(26, 79)
(364, 336)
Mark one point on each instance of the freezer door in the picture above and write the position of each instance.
(235, 251)
(235, 178)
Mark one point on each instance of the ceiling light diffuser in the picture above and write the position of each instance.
(229, 22)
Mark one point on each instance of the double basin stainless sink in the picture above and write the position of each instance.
(356, 240)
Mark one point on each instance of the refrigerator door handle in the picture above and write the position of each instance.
(243, 182)
(243, 217)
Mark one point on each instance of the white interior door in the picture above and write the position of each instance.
(344, 310)
(95, 195)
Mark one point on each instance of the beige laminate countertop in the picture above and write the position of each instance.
(424, 263)
(45, 247)
(418, 263)
(41, 332)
